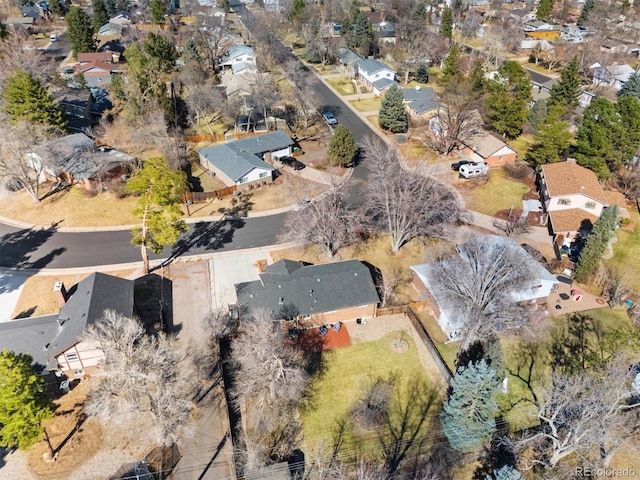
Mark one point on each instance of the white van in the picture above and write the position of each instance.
(477, 169)
(53, 37)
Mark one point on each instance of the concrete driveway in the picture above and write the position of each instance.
(11, 284)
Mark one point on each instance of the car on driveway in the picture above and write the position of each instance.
(330, 118)
(68, 71)
(297, 165)
(456, 166)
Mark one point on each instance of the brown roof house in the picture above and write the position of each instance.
(572, 197)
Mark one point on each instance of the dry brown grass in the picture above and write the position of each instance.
(37, 296)
(71, 208)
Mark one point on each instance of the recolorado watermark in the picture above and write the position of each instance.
(604, 472)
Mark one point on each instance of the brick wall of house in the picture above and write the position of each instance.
(345, 314)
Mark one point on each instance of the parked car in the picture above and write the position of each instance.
(53, 37)
(287, 160)
(456, 166)
(68, 71)
(330, 118)
(474, 170)
(297, 165)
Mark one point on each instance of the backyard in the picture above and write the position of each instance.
(494, 194)
(626, 253)
(346, 374)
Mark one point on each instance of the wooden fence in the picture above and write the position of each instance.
(202, 197)
(428, 342)
(221, 137)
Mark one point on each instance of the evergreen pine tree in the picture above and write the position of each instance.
(419, 15)
(597, 135)
(477, 77)
(586, 9)
(362, 38)
(507, 107)
(451, 66)
(158, 10)
(567, 90)
(23, 404)
(538, 113)
(111, 7)
(422, 75)
(392, 115)
(545, 7)
(190, 52)
(59, 8)
(446, 23)
(79, 31)
(25, 98)
(506, 472)
(342, 147)
(100, 16)
(468, 417)
(123, 5)
(596, 245)
(296, 9)
(631, 87)
(551, 140)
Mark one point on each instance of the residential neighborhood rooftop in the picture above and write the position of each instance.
(566, 178)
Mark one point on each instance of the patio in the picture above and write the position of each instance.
(570, 298)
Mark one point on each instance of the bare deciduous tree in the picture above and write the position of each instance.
(328, 222)
(140, 375)
(513, 226)
(627, 180)
(303, 89)
(205, 102)
(408, 204)
(269, 382)
(481, 284)
(589, 413)
(18, 51)
(16, 167)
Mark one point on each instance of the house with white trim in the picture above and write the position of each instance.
(376, 75)
(237, 55)
(245, 162)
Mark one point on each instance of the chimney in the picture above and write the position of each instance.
(60, 293)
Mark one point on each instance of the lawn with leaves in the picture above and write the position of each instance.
(497, 194)
(343, 85)
(345, 375)
(366, 104)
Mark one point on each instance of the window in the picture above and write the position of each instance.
(71, 357)
(243, 180)
(564, 201)
(264, 174)
(590, 205)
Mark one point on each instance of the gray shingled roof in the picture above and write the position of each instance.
(236, 159)
(311, 288)
(372, 66)
(347, 57)
(47, 336)
(383, 83)
(421, 101)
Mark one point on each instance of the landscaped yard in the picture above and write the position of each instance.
(521, 144)
(346, 373)
(203, 181)
(626, 253)
(343, 85)
(366, 104)
(497, 194)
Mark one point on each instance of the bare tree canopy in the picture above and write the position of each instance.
(269, 382)
(141, 374)
(328, 222)
(406, 203)
(480, 285)
(590, 413)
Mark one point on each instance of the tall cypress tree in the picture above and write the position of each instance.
(446, 23)
(596, 244)
(79, 31)
(393, 115)
(468, 417)
(567, 90)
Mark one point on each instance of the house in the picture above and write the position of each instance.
(244, 163)
(541, 30)
(450, 321)
(25, 22)
(386, 33)
(83, 107)
(324, 293)
(584, 100)
(572, 197)
(611, 45)
(111, 30)
(541, 90)
(421, 102)
(237, 54)
(614, 76)
(93, 57)
(483, 147)
(349, 60)
(55, 341)
(76, 159)
(375, 75)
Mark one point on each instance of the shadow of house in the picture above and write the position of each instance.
(153, 302)
(55, 341)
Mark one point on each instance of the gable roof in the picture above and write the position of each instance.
(371, 66)
(237, 50)
(311, 288)
(100, 68)
(485, 144)
(421, 100)
(571, 220)
(239, 157)
(47, 336)
(88, 57)
(569, 178)
(383, 84)
(107, 27)
(348, 57)
(240, 66)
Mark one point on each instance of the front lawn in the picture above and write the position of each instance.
(366, 104)
(345, 374)
(343, 85)
(626, 253)
(419, 153)
(497, 194)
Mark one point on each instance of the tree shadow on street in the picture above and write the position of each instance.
(18, 251)
(212, 235)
